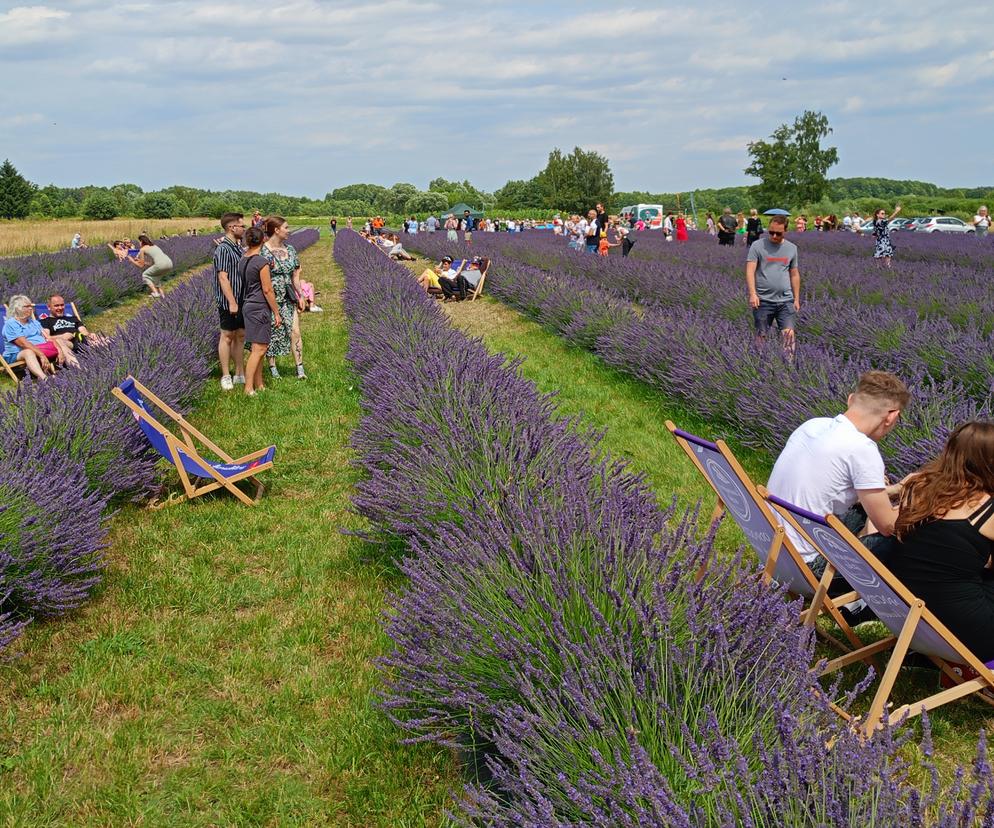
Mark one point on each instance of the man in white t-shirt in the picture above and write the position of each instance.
(831, 465)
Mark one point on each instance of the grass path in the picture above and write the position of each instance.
(223, 676)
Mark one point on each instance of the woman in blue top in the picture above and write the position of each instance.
(881, 232)
(24, 338)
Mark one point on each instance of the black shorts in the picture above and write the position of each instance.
(231, 321)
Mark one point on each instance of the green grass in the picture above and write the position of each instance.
(224, 674)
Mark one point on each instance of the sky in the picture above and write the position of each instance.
(302, 96)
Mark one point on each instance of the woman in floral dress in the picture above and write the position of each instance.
(881, 232)
(284, 269)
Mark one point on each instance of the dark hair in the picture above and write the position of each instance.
(144, 240)
(964, 470)
(230, 218)
(274, 223)
(780, 221)
(254, 236)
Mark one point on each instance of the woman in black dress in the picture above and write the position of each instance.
(946, 529)
(754, 227)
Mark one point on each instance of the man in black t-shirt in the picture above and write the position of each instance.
(727, 225)
(67, 328)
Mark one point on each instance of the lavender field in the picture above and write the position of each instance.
(550, 626)
(675, 316)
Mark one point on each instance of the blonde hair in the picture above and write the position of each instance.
(18, 302)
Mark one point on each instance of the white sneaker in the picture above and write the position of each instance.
(316, 309)
(226, 383)
(238, 379)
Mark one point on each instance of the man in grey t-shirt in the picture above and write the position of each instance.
(774, 283)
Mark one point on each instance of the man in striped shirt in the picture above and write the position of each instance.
(228, 295)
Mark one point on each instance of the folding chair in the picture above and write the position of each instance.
(912, 625)
(185, 456)
(738, 497)
(484, 267)
(17, 363)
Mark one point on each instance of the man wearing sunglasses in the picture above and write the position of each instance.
(774, 283)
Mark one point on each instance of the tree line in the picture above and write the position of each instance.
(791, 166)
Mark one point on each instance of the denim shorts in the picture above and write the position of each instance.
(768, 312)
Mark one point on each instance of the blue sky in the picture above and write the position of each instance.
(303, 96)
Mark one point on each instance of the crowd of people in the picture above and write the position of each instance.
(259, 295)
(933, 529)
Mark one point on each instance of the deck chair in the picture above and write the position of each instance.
(912, 625)
(42, 310)
(738, 497)
(10, 366)
(184, 455)
(484, 267)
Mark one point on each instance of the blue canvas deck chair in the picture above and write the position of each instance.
(183, 453)
(737, 496)
(912, 625)
(12, 364)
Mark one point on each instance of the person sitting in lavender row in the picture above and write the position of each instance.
(25, 339)
(68, 329)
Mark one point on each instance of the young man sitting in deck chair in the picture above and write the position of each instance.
(833, 466)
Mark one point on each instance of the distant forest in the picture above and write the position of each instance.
(518, 197)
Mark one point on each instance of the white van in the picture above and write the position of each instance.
(651, 214)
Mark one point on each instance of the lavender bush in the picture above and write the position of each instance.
(93, 279)
(69, 450)
(549, 618)
(686, 332)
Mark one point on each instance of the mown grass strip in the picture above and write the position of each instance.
(223, 676)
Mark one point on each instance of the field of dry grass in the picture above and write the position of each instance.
(25, 236)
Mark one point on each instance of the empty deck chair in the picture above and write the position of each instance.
(191, 466)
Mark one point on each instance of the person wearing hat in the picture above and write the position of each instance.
(429, 279)
(466, 279)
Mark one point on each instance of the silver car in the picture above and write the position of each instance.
(943, 224)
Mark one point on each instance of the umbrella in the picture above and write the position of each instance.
(776, 211)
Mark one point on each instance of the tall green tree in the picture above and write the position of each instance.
(576, 182)
(15, 193)
(100, 204)
(792, 165)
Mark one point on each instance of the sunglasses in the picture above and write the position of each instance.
(774, 233)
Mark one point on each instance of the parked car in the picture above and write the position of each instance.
(943, 224)
(866, 227)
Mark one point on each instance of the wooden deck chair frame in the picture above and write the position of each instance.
(780, 545)
(188, 445)
(901, 640)
(483, 277)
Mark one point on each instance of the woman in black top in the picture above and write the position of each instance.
(754, 227)
(259, 307)
(946, 530)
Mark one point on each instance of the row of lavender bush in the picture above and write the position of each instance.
(711, 364)
(549, 618)
(69, 451)
(93, 279)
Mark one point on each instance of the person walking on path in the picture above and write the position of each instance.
(228, 298)
(726, 227)
(160, 265)
(681, 228)
(284, 268)
(333, 224)
(884, 249)
(754, 227)
(261, 310)
(981, 222)
(773, 280)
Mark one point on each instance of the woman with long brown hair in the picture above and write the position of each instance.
(946, 530)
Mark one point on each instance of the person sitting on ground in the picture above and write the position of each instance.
(24, 338)
(77, 242)
(68, 329)
(307, 295)
(396, 250)
(945, 530)
(832, 465)
(160, 265)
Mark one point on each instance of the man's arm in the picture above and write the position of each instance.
(879, 510)
(795, 286)
(751, 284)
(229, 294)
